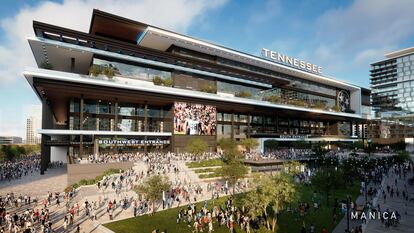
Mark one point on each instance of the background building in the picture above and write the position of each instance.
(32, 126)
(392, 85)
(5, 140)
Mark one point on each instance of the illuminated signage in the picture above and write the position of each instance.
(280, 58)
(294, 136)
(133, 142)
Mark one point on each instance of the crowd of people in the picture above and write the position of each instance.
(21, 213)
(283, 154)
(25, 166)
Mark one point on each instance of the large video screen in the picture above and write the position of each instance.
(194, 119)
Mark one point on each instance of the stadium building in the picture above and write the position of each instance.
(126, 86)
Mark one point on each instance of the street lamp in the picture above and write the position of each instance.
(365, 188)
(348, 205)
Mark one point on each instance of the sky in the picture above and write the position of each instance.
(342, 36)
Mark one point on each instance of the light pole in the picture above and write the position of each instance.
(348, 204)
(365, 189)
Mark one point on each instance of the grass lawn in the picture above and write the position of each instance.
(288, 222)
(205, 163)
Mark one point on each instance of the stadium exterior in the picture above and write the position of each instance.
(128, 86)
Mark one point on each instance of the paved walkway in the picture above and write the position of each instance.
(343, 224)
(405, 208)
(395, 203)
(35, 185)
(92, 193)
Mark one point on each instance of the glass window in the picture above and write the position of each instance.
(105, 107)
(133, 71)
(243, 118)
(257, 119)
(154, 111)
(227, 117)
(104, 124)
(90, 106)
(219, 116)
(126, 125)
(126, 110)
(227, 130)
(74, 105)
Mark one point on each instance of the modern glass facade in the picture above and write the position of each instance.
(392, 83)
(118, 116)
(112, 88)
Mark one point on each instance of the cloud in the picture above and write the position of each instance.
(15, 53)
(270, 9)
(353, 36)
(177, 15)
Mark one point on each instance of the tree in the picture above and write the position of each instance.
(402, 157)
(249, 144)
(230, 150)
(275, 192)
(10, 152)
(197, 147)
(326, 179)
(227, 144)
(292, 167)
(349, 169)
(319, 148)
(232, 171)
(152, 187)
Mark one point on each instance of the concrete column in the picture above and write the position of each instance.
(146, 127)
(232, 125)
(116, 123)
(81, 105)
(45, 154)
(95, 146)
(351, 128)
(248, 126)
(47, 123)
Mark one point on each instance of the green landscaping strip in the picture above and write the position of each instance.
(205, 163)
(82, 182)
(288, 222)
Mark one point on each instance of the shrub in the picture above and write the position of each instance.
(95, 70)
(158, 80)
(209, 88)
(273, 98)
(336, 108)
(109, 71)
(319, 105)
(168, 82)
(205, 163)
(243, 94)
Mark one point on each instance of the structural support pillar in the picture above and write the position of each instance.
(232, 126)
(81, 119)
(146, 126)
(47, 123)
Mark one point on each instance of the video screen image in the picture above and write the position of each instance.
(194, 119)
